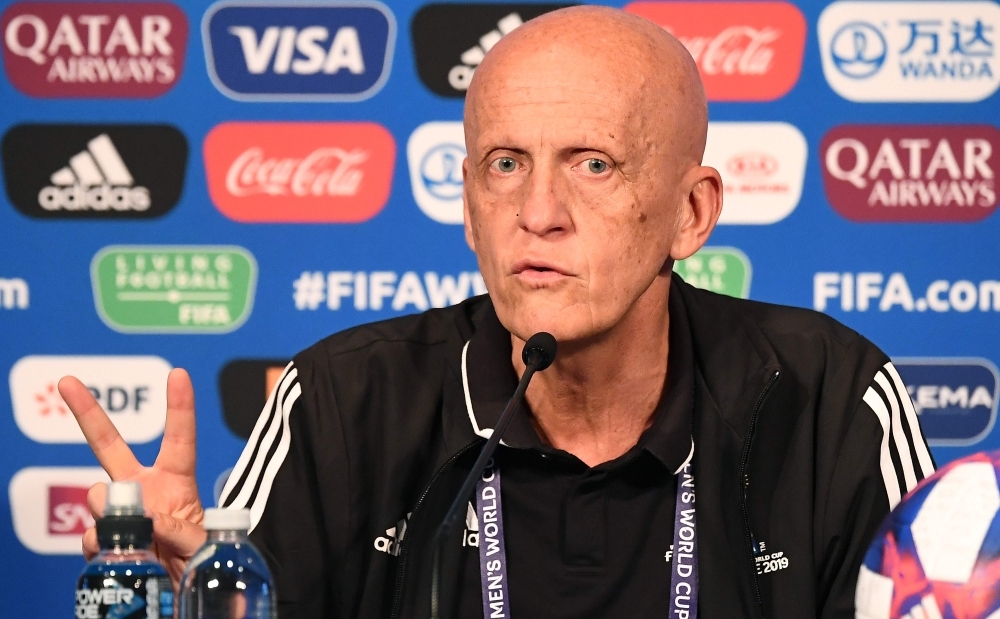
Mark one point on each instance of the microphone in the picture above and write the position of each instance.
(538, 353)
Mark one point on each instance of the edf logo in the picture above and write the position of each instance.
(304, 51)
(956, 398)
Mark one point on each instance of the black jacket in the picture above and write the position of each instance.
(805, 437)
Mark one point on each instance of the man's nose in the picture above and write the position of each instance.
(544, 210)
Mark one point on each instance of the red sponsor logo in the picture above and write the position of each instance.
(752, 165)
(299, 172)
(746, 51)
(911, 172)
(68, 510)
(94, 49)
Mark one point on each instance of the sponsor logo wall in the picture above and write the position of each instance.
(216, 186)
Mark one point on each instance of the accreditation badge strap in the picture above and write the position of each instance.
(493, 552)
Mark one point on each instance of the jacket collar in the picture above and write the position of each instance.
(731, 357)
(488, 380)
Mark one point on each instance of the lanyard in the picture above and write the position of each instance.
(493, 552)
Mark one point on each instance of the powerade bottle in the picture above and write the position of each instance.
(227, 578)
(124, 581)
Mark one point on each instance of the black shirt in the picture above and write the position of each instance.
(581, 541)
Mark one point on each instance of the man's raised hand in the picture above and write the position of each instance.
(169, 487)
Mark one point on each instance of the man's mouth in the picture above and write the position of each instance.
(536, 271)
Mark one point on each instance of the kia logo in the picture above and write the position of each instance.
(752, 164)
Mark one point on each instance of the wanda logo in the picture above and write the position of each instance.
(745, 51)
(754, 164)
(299, 172)
(68, 511)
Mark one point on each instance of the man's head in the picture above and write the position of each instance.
(585, 130)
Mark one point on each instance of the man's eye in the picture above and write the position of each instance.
(505, 164)
(596, 166)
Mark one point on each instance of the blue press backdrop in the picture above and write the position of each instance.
(54, 257)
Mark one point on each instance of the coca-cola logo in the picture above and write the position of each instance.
(746, 51)
(299, 172)
(323, 172)
(68, 511)
(752, 164)
(911, 172)
(94, 49)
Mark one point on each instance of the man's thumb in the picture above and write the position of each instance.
(177, 536)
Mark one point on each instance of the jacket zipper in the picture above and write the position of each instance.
(745, 482)
(401, 568)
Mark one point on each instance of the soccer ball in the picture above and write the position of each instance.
(937, 555)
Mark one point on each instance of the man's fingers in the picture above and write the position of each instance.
(97, 497)
(177, 536)
(102, 436)
(90, 546)
(177, 450)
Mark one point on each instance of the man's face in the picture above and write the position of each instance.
(572, 193)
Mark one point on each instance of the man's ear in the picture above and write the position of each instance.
(465, 206)
(699, 211)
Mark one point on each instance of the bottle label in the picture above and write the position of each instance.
(102, 596)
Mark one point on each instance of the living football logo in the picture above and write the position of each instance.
(94, 49)
(435, 152)
(244, 386)
(450, 40)
(745, 51)
(94, 171)
(49, 509)
(299, 172)
(763, 167)
(131, 389)
(310, 51)
(928, 173)
(911, 51)
(956, 398)
(173, 288)
(725, 270)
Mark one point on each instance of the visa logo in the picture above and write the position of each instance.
(955, 397)
(321, 51)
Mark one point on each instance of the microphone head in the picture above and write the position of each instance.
(540, 350)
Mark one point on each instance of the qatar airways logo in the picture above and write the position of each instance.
(94, 49)
(745, 51)
(299, 172)
(930, 173)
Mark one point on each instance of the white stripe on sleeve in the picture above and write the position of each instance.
(874, 401)
(902, 447)
(919, 445)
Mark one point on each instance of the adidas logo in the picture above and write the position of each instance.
(471, 536)
(460, 75)
(96, 179)
(390, 544)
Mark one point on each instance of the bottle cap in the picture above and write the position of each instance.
(222, 519)
(124, 499)
(124, 522)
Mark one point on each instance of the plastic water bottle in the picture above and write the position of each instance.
(124, 581)
(227, 578)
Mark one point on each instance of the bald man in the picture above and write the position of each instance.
(583, 184)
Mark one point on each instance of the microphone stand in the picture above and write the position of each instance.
(538, 353)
